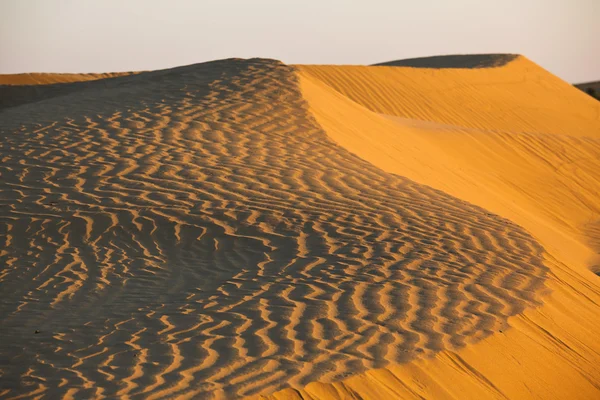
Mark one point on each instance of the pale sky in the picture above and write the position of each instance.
(124, 35)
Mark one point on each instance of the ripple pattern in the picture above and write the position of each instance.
(194, 232)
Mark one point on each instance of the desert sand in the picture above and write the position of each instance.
(423, 228)
(33, 78)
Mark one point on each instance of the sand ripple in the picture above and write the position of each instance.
(194, 232)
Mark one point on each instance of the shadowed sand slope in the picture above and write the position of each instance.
(468, 61)
(194, 232)
(20, 89)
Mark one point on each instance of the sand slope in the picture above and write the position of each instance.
(237, 227)
(519, 97)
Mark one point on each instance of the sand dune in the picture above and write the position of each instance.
(34, 78)
(238, 227)
(591, 88)
(459, 61)
(520, 97)
(20, 89)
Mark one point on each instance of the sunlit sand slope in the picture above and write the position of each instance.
(518, 97)
(194, 232)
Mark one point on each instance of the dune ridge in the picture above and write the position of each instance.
(196, 232)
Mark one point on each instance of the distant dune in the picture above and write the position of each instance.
(591, 88)
(19, 89)
(461, 61)
(33, 78)
(247, 228)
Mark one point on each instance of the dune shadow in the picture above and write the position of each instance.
(463, 61)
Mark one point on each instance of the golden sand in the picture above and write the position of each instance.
(36, 78)
(246, 228)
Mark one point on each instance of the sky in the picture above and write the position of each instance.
(126, 35)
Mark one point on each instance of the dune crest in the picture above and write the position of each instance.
(195, 232)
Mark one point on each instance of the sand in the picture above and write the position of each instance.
(36, 78)
(246, 228)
